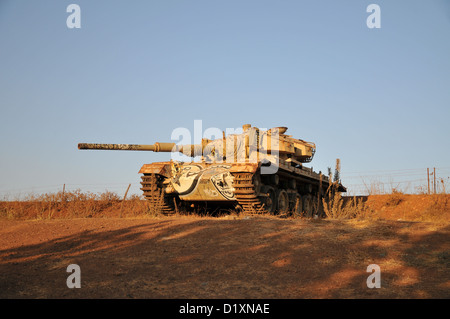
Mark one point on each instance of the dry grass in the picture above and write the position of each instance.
(337, 208)
(421, 207)
(76, 204)
(393, 206)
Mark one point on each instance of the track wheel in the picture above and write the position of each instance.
(282, 202)
(268, 198)
(308, 205)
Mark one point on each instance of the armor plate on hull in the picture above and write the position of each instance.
(200, 182)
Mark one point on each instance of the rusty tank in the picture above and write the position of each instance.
(256, 171)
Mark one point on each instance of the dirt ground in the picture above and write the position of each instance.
(227, 257)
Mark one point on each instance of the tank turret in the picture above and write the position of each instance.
(251, 144)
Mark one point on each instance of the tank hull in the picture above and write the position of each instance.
(240, 185)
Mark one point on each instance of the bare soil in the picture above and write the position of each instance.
(225, 257)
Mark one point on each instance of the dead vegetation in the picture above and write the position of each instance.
(78, 204)
(393, 206)
(337, 208)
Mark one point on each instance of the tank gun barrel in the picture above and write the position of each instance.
(157, 147)
(188, 150)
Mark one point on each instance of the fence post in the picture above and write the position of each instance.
(434, 177)
(63, 197)
(124, 197)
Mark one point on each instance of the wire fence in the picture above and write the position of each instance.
(410, 181)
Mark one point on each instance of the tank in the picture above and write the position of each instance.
(257, 171)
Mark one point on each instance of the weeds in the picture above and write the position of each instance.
(74, 204)
(77, 204)
(336, 207)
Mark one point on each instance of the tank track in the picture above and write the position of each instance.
(158, 200)
(247, 193)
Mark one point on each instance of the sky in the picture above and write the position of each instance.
(376, 98)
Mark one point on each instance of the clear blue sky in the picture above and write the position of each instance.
(378, 99)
